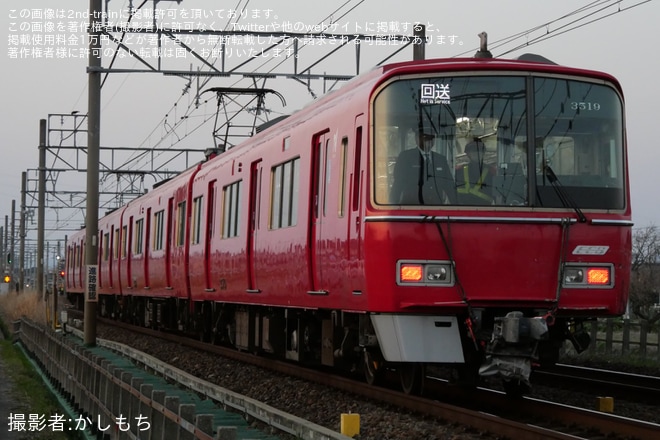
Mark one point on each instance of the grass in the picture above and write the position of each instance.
(27, 304)
(30, 395)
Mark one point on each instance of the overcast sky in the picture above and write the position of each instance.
(137, 109)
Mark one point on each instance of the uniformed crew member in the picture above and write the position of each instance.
(474, 181)
(422, 176)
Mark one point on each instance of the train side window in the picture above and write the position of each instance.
(231, 209)
(342, 175)
(139, 231)
(115, 252)
(210, 208)
(181, 223)
(158, 230)
(284, 194)
(124, 241)
(197, 220)
(106, 246)
(356, 170)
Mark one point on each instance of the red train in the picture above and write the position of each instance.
(466, 212)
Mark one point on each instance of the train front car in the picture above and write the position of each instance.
(499, 217)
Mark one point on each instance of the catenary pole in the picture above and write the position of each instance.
(93, 146)
(21, 233)
(41, 222)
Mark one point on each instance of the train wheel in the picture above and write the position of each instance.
(371, 368)
(412, 377)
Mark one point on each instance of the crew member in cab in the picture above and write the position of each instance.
(422, 176)
(474, 180)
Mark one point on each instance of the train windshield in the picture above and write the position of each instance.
(465, 140)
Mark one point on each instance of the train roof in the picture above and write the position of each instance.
(526, 62)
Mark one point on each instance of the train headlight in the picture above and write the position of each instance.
(436, 273)
(573, 275)
(424, 273)
(588, 275)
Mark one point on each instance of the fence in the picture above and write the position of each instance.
(625, 337)
(144, 398)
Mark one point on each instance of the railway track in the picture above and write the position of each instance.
(616, 384)
(479, 409)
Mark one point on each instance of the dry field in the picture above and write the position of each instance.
(25, 304)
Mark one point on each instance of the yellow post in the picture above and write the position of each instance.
(606, 404)
(350, 424)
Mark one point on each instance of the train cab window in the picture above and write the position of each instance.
(579, 144)
(463, 140)
(425, 129)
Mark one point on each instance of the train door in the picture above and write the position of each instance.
(116, 276)
(111, 256)
(128, 253)
(253, 224)
(100, 279)
(147, 247)
(318, 210)
(355, 203)
(209, 232)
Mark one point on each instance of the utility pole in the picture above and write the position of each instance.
(13, 241)
(93, 146)
(41, 222)
(56, 282)
(6, 247)
(2, 249)
(21, 262)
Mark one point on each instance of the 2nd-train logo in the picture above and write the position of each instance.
(434, 94)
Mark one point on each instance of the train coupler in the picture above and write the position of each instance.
(513, 346)
(508, 368)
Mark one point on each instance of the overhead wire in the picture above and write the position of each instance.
(599, 6)
(190, 107)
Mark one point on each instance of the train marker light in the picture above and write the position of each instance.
(588, 276)
(598, 275)
(411, 272)
(424, 273)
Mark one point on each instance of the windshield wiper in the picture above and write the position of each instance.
(566, 200)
